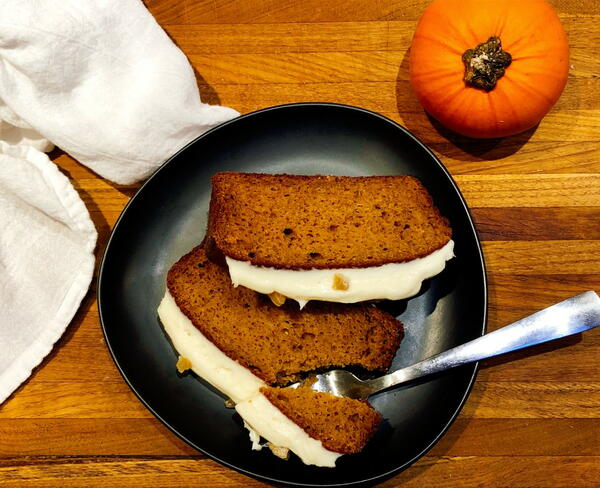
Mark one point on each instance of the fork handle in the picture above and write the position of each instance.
(576, 314)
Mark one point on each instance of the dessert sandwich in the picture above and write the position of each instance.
(250, 349)
(328, 238)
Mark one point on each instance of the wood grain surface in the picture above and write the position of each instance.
(532, 420)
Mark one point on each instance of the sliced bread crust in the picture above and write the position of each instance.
(322, 222)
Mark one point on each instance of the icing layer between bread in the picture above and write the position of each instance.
(263, 418)
(207, 360)
(392, 281)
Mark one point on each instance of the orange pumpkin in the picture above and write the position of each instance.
(489, 68)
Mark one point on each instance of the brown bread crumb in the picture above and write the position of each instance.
(277, 298)
(183, 364)
(339, 282)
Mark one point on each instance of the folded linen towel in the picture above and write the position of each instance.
(101, 80)
(46, 259)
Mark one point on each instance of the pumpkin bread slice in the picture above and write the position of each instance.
(302, 222)
(279, 344)
(343, 425)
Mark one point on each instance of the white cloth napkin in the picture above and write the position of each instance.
(46, 259)
(101, 80)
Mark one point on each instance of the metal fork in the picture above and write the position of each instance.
(576, 314)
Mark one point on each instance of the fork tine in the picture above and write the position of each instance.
(341, 383)
(338, 382)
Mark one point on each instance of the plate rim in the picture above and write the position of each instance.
(482, 269)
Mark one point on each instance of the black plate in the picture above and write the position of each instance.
(167, 217)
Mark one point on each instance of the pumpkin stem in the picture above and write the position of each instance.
(485, 64)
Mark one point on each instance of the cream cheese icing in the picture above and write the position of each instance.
(392, 281)
(207, 360)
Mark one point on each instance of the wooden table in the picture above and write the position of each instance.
(533, 421)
